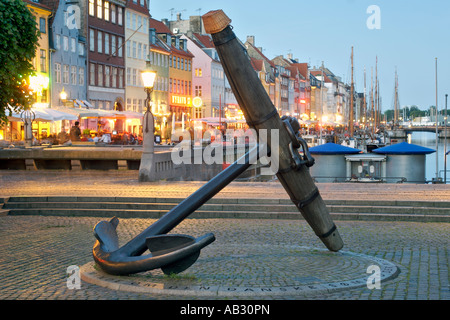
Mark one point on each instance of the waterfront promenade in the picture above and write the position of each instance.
(36, 250)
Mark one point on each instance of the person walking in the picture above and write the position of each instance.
(75, 132)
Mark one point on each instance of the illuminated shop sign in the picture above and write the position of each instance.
(181, 100)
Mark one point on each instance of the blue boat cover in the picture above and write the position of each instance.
(404, 148)
(332, 148)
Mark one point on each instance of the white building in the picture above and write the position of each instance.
(136, 53)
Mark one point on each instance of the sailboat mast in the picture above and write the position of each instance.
(364, 101)
(376, 94)
(351, 102)
(372, 116)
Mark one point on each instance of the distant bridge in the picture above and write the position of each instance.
(403, 131)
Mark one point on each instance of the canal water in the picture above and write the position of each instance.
(428, 140)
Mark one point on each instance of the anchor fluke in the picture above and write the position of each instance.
(183, 244)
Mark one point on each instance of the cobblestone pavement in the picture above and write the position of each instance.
(35, 251)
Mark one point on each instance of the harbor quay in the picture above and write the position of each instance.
(254, 257)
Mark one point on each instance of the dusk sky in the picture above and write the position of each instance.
(412, 34)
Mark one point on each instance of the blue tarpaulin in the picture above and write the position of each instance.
(332, 148)
(404, 148)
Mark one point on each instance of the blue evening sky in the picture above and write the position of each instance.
(413, 33)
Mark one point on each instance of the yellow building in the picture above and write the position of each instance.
(40, 81)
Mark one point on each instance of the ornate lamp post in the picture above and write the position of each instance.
(146, 168)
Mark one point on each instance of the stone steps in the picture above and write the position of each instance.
(129, 207)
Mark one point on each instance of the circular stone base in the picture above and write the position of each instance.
(254, 271)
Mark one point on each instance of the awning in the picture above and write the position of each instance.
(44, 115)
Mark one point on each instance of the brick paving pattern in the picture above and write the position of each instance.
(35, 251)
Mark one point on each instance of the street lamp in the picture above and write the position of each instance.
(63, 95)
(146, 168)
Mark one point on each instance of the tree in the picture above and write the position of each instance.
(18, 42)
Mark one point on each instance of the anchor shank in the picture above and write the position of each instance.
(260, 113)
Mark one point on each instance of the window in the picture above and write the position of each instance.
(91, 40)
(66, 43)
(42, 25)
(139, 50)
(57, 72)
(139, 23)
(80, 49)
(66, 74)
(119, 16)
(128, 49)
(106, 43)
(73, 75)
(128, 76)
(134, 49)
(99, 8)
(170, 85)
(58, 42)
(92, 74)
(73, 45)
(81, 76)
(91, 8)
(100, 75)
(113, 45)
(106, 10)
(133, 21)
(107, 75)
(119, 45)
(113, 13)
(178, 63)
(128, 20)
(182, 64)
(114, 77)
(198, 72)
(134, 77)
(198, 91)
(99, 42)
(120, 78)
(43, 62)
(145, 53)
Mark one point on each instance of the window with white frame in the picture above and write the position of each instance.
(66, 74)
(73, 75)
(81, 76)
(57, 72)
(57, 42)
(65, 43)
(73, 45)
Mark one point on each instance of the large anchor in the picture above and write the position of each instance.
(173, 253)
